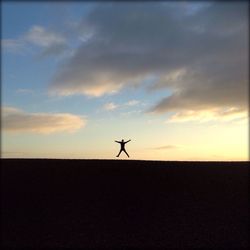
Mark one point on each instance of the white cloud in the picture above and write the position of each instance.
(18, 121)
(133, 112)
(110, 106)
(88, 89)
(25, 91)
(166, 147)
(51, 42)
(132, 103)
(223, 115)
(39, 36)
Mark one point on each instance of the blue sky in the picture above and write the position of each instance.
(78, 75)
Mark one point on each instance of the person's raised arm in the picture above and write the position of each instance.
(117, 141)
(128, 141)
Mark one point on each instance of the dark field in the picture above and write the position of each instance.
(118, 203)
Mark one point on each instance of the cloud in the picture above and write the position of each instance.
(114, 56)
(132, 103)
(38, 35)
(25, 91)
(12, 45)
(198, 52)
(133, 112)
(110, 106)
(50, 42)
(166, 147)
(18, 121)
(226, 115)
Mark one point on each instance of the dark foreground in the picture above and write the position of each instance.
(115, 203)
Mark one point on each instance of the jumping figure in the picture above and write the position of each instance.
(122, 143)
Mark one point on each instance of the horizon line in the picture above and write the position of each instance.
(91, 159)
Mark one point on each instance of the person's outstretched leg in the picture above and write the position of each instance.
(119, 153)
(126, 153)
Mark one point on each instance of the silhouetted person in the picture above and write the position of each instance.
(122, 143)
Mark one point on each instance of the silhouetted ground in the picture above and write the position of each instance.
(118, 203)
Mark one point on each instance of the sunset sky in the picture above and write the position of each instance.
(170, 76)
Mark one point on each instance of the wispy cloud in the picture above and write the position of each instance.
(132, 112)
(50, 42)
(132, 103)
(166, 147)
(110, 106)
(25, 91)
(13, 45)
(19, 121)
(39, 36)
(223, 115)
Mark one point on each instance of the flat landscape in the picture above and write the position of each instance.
(124, 203)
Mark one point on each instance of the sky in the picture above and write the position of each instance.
(170, 76)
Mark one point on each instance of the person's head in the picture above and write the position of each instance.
(122, 140)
